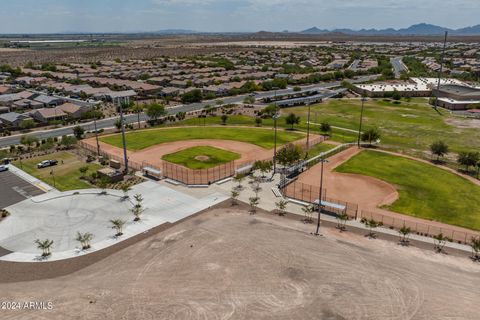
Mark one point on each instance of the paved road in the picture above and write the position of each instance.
(132, 118)
(398, 66)
(354, 65)
(15, 189)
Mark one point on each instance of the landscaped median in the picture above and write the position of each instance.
(138, 140)
(425, 191)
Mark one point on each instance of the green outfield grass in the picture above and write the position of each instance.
(425, 191)
(67, 175)
(409, 127)
(139, 140)
(188, 157)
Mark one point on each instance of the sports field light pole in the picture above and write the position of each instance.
(275, 117)
(361, 120)
(308, 129)
(441, 69)
(96, 134)
(320, 194)
(125, 158)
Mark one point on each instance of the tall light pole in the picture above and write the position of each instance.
(96, 134)
(308, 130)
(320, 194)
(361, 121)
(275, 117)
(441, 68)
(125, 158)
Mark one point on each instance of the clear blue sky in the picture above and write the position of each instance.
(39, 16)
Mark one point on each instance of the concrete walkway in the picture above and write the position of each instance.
(31, 179)
(59, 216)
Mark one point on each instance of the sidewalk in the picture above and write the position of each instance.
(31, 179)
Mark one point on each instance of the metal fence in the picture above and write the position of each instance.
(309, 193)
(420, 228)
(198, 177)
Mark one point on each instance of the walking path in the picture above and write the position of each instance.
(31, 179)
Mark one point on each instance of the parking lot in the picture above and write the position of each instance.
(14, 189)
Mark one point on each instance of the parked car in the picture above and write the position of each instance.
(47, 163)
(3, 168)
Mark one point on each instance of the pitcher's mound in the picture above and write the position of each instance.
(202, 158)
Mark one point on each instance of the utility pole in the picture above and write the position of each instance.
(361, 121)
(320, 194)
(275, 117)
(441, 68)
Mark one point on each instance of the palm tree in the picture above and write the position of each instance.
(308, 212)
(281, 206)
(137, 208)
(84, 239)
(342, 219)
(138, 109)
(234, 194)
(475, 245)
(254, 201)
(439, 242)
(404, 233)
(118, 224)
(45, 245)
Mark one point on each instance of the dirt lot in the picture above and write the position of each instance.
(227, 264)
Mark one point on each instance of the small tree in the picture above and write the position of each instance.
(308, 213)
(475, 245)
(289, 154)
(439, 148)
(256, 189)
(234, 194)
(404, 233)
(138, 207)
(78, 132)
(468, 159)
(325, 128)
(370, 135)
(155, 111)
(342, 219)
(118, 224)
(439, 242)
(253, 201)
(262, 166)
(28, 141)
(281, 206)
(45, 246)
(125, 188)
(249, 100)
(258, 121)
(224, 118)
(372, 224)
(84, 239)
(102, 184)
(292, 119)
(83, 170)
(239, 178)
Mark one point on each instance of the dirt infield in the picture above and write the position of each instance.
(367, 192)
(153, 155)
(227, 264)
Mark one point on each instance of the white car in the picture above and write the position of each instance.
(3, 168)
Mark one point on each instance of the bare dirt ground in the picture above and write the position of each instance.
(367, 192)
(153, 155)
(464, 123)
(227, 264)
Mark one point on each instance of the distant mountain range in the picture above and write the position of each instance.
(421, 29)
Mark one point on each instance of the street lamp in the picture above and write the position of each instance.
(320, 194)
(361, 120)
